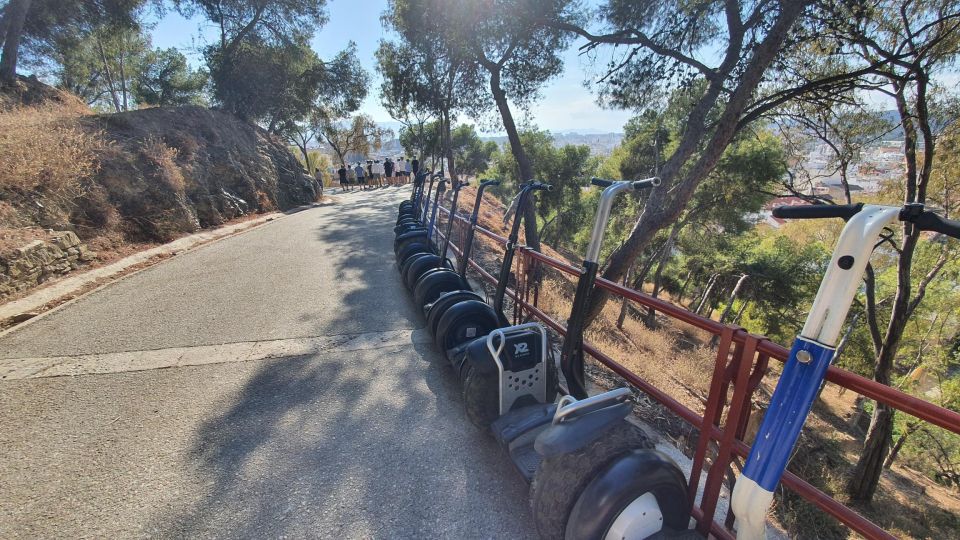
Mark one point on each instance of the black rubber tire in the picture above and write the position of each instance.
(620, 483)
(412, 259)
(407, 238)
(559, 480)
(441, 305)
(480, 396)
(433, 284)
(408, 227)
(453, 325)
(415, 267)
(411, 249)
(421, 239)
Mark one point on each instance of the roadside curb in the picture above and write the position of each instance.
(67, 291)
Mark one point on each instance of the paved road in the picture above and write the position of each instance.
(222, 433)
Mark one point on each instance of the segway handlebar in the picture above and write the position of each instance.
(532, 185)
(923, 219)
(817, 211)
(927, 220)
(635, 184)
(486, 183)
(610, 191)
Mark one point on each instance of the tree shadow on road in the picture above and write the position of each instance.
(370, 443)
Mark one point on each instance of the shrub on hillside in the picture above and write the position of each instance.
(46, 152)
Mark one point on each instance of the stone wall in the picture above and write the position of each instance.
(39, 261)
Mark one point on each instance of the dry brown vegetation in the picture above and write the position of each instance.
(45, 149)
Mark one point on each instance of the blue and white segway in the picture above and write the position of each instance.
(814, 348)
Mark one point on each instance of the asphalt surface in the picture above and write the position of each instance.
(338, 443)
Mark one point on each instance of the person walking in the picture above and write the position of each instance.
(415, 165)
(344, 181)
(408, 169)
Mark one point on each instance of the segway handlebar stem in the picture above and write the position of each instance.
(610, 192)
(468, 243)
(814, 349)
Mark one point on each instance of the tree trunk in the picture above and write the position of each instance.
(448, 147)
(523, 161)
(14, 17)
(111, 85)
(4, 23)
(733, 297)
(866, 475)
(743, 307)
(651, 319)
(626, 303)
(667, 202)
(683, 288)
(910, 429)
(123, 73)
(706, 293)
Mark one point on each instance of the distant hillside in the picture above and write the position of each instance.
(601, 144)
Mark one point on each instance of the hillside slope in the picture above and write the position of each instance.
(122, 181)
(148, 175)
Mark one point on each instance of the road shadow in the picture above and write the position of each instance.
(371, 443)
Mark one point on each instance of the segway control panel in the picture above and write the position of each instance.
(520, 353)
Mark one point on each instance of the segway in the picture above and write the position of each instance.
(440, 288)
(417, 264)
(580, 454)
(412, 219)
(466, 321)
(409, 209)
(813, 350)
(420, 239)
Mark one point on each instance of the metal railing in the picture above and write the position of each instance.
(741, 361)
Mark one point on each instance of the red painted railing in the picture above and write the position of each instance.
(741, 361)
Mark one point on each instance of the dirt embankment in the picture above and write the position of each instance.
(122, 181)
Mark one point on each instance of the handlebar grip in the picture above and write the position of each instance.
(490, 183)
(817, 211)
(544, 187)
(928, 221)
(601, 182)
(647, 183)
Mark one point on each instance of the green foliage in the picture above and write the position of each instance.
(264, 70)
(784, 277)
(102, 65)
(472, 155)
(561, 212)
(165, 80)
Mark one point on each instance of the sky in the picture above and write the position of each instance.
(566, 105)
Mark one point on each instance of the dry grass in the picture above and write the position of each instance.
(45, 150)
(164, 159)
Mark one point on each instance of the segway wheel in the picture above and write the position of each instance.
(480, 391)
(445, 302)
(414, 271)
(464, 322)
(411, 250)
(561, 480)
(432, 285)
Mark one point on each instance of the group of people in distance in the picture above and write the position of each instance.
(375, 173)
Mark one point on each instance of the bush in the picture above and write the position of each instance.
(46, 151)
